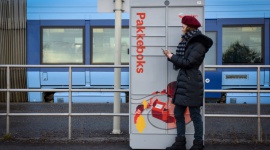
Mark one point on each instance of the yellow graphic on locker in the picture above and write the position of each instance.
(145, 104)
(157, 110)
(140, 125)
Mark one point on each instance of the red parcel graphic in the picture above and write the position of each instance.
(155, 109)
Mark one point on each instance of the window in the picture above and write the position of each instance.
(103, 46)
(242, 45)
(62, 46)
(211, 55)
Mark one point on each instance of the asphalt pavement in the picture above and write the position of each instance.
(87, 145)
(94, 132)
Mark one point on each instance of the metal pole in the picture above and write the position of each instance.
(259, 105)
(8, 98)
(166, 45)
(203, 73)
(117, 61)
(69, 103)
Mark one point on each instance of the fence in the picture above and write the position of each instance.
(258, 91)
(70, 90)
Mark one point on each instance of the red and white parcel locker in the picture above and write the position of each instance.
(156, 24)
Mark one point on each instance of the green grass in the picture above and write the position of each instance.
(7, 137)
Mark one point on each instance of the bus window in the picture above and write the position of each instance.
(242, 45)
(211, 55)
(103, 45)
(62, 46)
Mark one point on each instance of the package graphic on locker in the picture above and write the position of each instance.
(158, 110)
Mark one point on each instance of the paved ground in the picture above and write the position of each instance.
(233, 130)
(111, 146)
(93, 132)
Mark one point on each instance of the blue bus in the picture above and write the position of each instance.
(74, 32)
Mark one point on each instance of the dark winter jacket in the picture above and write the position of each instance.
(190, 87)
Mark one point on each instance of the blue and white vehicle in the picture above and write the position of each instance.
(74, 32)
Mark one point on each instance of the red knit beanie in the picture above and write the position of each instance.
(191, 22)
